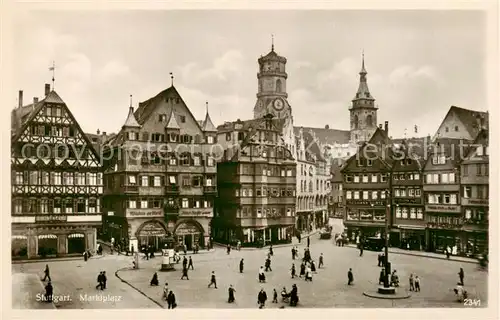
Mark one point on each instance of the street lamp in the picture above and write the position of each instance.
(386, 262)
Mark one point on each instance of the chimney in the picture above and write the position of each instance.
(47, 89)
(35, 100)
(104, 133)
(386, 127)
(327, 127)
(380, 126)
(98, 131)
(20, 98)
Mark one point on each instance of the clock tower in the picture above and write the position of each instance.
(271, 95)
(363, 111)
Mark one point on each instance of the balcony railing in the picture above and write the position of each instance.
(172, 189)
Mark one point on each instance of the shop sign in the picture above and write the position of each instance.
(480, 202)
(446, 226)
(144, 213)
(366, 202)
(196, 213)
(54, 218)
(185, 229)
(152, 229)
(442, 208)
(408, 201)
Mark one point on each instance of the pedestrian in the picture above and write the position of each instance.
(268, 265)
(104, 279)
(47, 273)
(293, 270)
(228, 249)
(271, 250)
(308, 274)
(171, 300)
(299, 237)
(302, 269)
(461, 276)
(350, 277)
(313, 266)
(360, 249)
(154, 281)
(184, 273)
(190, 264)
(165, 291)
(241, 266)
(49, 291)
(293, 253)
(262, 276)
(238, 245)
(294, 296)
(417, 283)
(379, 260)
(275, 296)
(85, 256)
(381, 277)
(185, 249)
(261, 298)
(231, 292)
(448, 252)
(184, 262)
(99, 281)
(308, 241)
(132, 249)
(320, 264)
(412, 286)
(212, 280)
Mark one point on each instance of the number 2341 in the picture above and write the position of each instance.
(472, 302)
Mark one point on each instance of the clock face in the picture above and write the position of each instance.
(279, 104)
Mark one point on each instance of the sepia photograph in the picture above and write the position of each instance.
(249, 159)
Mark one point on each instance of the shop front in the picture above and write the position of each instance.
(190, 233)
(151, 233)
(412, 238)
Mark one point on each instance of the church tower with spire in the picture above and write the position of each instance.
(363, 111)
(271, 95)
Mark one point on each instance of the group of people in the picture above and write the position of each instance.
(101, 280)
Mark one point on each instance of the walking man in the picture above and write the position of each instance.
(231, 292)
(184, 273)
(104, 279)
(171, 300)
(241, 266)
(275, 296)
(190, 264)
(212, 280)
(320, 264)
(228, 249)
(293, 253)
(261, 298)
(308, 241)
(350, 277)
(99, 281)
(293, 270)
(461, 275)
(49, 291)
(165, 291)
(417, 283)
(268, 265)
(47, 273)
(184, 262)
(412, 286)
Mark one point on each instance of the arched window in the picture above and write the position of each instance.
(356, 122)
(369, 120)
(278, 85)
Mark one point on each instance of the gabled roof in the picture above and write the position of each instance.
(208, 125)
(131, 121)
(451, 148)
(470, 119)
(326, 136)
(53, 97)
(312, 147)
(172, 122)
(336, 170)
(481, 139)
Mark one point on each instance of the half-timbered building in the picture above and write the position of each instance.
(56, 181)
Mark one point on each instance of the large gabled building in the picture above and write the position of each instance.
(160, 175)
(56, 181)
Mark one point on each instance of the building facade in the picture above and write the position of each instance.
(160, 179)
(474, 180)
(408, 221)
(257, 181)
(336, 203)
(367, 187)
(56, 181)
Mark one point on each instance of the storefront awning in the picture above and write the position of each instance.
(47, 236)
(76, 235)
(411, 227)
(19, 237)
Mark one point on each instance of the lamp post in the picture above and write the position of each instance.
(387, 263)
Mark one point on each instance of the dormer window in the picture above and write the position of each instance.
(479, 151)
(183, 119)
(132, 136)
(162, 117)
(210, 140)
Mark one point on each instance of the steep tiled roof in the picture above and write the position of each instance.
(470, 119)
(335, 170)
(208, 125)
(131, 121)
(312, 147)
(53, 97)
(327, 136)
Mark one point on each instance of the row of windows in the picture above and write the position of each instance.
(436, 178)
(158, 181)
(304, 171)
(269, 212)
(58, 178)
(56, 205)
(184, 159)
(481, 169)
(266, 192)
(442, 198)
(45, 151)
(366, 178)
(51, 130)
(407, 192)
(445, 220)
(481, 192)
(320, 186)
(409, 213)
(171, 137)
(185, 203)
(406, 176)
(476, 214)
(269, 170)
(366, 195)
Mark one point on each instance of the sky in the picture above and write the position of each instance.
(419, 63)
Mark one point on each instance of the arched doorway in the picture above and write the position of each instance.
(19, 246)
(151, 233)
(76, 243)
(189, 233)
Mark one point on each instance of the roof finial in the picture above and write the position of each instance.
(53, 69)
(130, 101)
(171, 79)
(363, 70)
(272, 42)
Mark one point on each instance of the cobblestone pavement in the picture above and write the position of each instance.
(74, 284)
(328, 289)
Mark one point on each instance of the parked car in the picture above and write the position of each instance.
(325, 234)
(373, 243)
